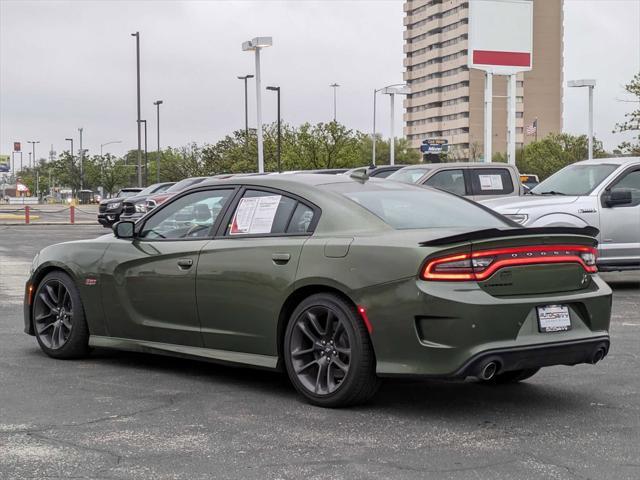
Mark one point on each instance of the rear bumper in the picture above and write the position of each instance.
(447, 330)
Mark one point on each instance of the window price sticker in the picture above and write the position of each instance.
(255, 215)
(490, 182)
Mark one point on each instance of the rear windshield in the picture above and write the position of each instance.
(406, 207)
(408, 175)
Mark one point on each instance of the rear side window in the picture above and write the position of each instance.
(263, 213)
(416, 207)
(448, 180)
(408, 175)
(491, 181)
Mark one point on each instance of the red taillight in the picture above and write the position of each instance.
(482, 264)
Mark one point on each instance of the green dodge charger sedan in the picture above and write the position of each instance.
(338, 280)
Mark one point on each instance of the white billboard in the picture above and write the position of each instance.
(501, 35)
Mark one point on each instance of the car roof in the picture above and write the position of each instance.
(611, 160)
(430, 166)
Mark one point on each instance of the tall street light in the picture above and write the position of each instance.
(392, 92)
(137, 35)
(590, 84)
(256, 44)
(72, 162)
(33, 148)
(246, 107)
(146, 161)
(335, 89)
(81, 161)
(108, 143)
(373, 135)
(279, 144)
(157, 103)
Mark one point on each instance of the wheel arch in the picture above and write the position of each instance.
(294, 299)
(37, 277)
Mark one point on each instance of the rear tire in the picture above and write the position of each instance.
(58, 317)
(328, 353)
(514, 376)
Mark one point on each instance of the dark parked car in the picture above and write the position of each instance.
(336, 280)
(109, 210)
(136, 206)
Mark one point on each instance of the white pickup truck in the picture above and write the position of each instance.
(603, 193)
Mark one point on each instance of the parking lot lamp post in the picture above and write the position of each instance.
(335, 103)
(256, 44)
(72, 162)
(157, 103)
(279, 144)
(146, 161)
(33, 148)
(590, 84)
(392, 92)
(246, 107)
(137, 35)
(108, 143)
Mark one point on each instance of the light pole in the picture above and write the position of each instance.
(137, 35)
(373, 135)
(392, 92)
(279, 144)
(255, 45)
(72, 162)
(335, 89)
(157, 103)
(146, 162)
(590, 84)
(246, 107)
(81, 161)
(33, 148)
(108, 143)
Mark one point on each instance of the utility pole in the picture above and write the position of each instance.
(33, 148)
(81, 161)
(335, 104)
(279, 144)
(137, 35)
(157, 103)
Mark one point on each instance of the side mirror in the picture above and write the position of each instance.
(618, 197)
(124, 229)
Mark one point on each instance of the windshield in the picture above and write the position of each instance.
(408, 175)
(576, 179)
(405, 207)
(182, 184)
(127, 193)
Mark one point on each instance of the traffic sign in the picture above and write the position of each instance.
(16, 146)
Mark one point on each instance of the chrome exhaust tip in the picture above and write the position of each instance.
(489, 371)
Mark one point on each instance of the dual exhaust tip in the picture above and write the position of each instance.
(491, 367)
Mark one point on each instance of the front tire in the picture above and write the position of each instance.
(58, 317)
(328, 353)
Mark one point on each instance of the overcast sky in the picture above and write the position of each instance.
(65, 65)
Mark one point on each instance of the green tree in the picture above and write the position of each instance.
(632, 120)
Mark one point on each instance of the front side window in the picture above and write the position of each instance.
(630, 182)
(576, 179)
(263, 213)
(449, 181)
(190, 216)
(491, 181)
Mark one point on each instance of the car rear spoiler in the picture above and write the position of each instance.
(489, 233)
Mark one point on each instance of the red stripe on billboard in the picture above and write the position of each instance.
(509, 59)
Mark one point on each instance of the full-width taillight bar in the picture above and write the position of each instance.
(480, 265)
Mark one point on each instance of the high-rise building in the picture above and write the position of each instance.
(447, 98)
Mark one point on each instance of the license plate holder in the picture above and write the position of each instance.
(553, 318)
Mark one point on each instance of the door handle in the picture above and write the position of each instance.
(185, 263)
(280, 258)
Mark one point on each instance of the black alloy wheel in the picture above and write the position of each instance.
(328, 353)
(58, 317)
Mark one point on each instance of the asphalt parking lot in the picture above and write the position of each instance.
(133, 416)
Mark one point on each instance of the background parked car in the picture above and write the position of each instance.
(603, 193)
(136, 206)
(109, 210)
(473, 180)
(154, 200)
(381, 171)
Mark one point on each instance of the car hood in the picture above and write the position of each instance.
(517, 204)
